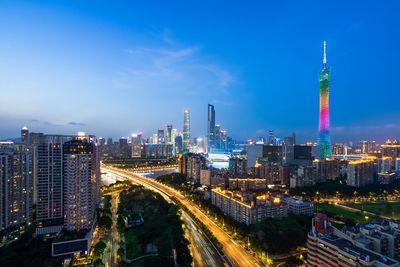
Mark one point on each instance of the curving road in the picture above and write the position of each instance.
(235, 253)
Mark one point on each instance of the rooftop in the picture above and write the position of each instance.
(363, 254)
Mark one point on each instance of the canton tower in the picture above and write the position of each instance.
(324, 137)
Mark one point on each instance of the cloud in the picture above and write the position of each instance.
(47, 123)
(173, 68)
(52, 124)
(73, 123)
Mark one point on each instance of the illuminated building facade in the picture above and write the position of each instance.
(81, 184)
(136, 146)
(15, 185)
(391, 149)
(186, 129)
(324, 138)
(48, 172)
(360, 172)
(243, 208)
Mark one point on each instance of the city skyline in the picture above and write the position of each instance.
(121, 60)
(199, 134)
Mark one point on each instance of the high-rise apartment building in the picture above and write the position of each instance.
(391, 149)
(80, 183)
(324, 138)
(16, 185)
(186, 129)
(360, 172)
(48, 173)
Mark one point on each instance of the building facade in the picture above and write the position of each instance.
(16, 185)
(326, 248)
(244, 208)
(210, 127)
(360, 172)
(81, 184)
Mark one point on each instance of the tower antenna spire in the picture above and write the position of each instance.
(324, 53)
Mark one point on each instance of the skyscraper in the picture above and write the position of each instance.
(136, 146)
(324, 138)
(271, 137)
(169, 134)
(24, 135)
(48, 173)
(160, 136)
(186, 129)
(15, 185)
(210, 127)
(80, 185)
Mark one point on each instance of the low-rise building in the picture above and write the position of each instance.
(382, 237)
(242, 206)
(326, 248)
(298, 206)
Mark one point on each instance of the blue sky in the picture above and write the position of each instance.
(113, 68)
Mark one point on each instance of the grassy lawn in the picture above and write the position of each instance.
(389, 209)
(341, 213)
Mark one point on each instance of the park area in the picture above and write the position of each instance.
(387, 209)
(153, 235)
(341, 214)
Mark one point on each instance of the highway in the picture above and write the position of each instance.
(234, 252)
(203, 251)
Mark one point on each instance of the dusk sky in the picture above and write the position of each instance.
(112, 68)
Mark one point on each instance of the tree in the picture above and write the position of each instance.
(98, 263)
(120, 224)
(121, 252)
(99, 248)
(105, 222)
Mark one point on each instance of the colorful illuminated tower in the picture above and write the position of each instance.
(324, 138)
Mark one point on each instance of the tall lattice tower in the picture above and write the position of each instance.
(324, 137)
